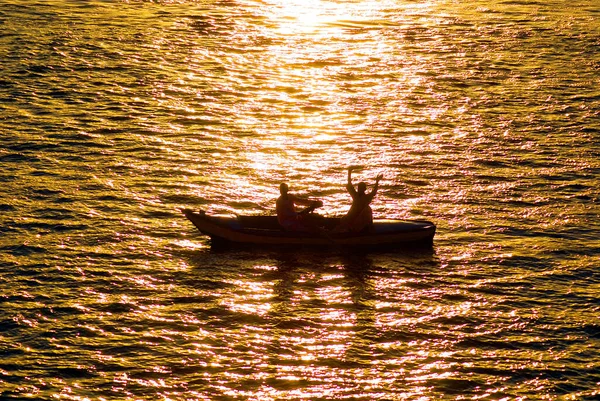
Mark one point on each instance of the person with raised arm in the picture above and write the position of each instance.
(360, 216)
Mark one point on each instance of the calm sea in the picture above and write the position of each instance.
(483, 116)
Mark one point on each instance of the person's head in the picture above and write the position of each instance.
(361, 187)
(283, 188)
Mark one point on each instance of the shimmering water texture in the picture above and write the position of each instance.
(483, 117)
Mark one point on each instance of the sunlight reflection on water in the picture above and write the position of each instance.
(482, 117)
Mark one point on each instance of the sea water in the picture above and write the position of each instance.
(482, 116)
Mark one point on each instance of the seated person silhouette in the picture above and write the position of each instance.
(288, 217)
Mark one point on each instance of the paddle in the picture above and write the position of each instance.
(320, 231)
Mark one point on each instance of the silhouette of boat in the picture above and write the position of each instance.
(266, 231)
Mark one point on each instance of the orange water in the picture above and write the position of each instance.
(482, 117)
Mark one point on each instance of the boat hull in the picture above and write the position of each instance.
(265, 231)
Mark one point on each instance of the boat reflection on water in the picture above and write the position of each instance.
(308, 321)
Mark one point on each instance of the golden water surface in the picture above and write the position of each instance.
(482, 116)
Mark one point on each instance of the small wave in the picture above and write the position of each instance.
(455, 385)
(7, 208)
(73, 372)
(18, 158)
(23, 250)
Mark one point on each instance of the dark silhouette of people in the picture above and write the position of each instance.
(288, 217)
(360, 216)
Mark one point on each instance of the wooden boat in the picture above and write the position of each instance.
(265, 230)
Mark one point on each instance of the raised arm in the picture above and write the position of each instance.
(349, 185)
(350, 174)
(376, 186)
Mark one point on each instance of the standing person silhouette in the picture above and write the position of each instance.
(288, 217)
(360, 216)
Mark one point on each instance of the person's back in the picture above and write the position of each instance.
(286, 211)
(288, 218)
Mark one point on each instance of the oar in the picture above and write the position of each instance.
(322, 232)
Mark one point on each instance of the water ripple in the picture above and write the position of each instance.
(115, 115)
